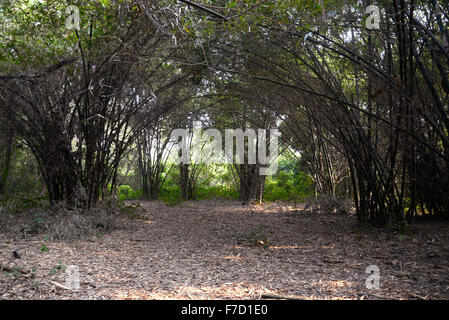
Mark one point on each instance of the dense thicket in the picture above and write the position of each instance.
(365, 107)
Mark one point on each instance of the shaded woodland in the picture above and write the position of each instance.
(90, 94)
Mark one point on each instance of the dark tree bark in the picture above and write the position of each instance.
(7, 143)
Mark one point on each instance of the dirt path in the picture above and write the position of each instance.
(221, 250)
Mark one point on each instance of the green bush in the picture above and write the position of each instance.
(16, 204)
(216, 192)
(170, 193)
(288, 186)
(125, 192)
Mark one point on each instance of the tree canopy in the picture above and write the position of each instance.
(358, 92)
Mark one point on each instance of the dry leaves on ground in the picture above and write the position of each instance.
(223, 250)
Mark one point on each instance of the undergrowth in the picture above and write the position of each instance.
(59, 222)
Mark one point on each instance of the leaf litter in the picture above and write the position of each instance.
(223, 250)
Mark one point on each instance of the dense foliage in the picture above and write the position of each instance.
(361, 100)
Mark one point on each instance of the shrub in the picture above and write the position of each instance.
(125, 192)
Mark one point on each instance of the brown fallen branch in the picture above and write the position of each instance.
(418, 296)
(59, 285)
(276, 296)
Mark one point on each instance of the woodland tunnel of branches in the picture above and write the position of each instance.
(362, 105)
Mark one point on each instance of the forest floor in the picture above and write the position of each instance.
(223, 250)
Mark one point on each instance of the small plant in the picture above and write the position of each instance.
(44, 248)
(400, 227)
(21, 204)
(10, 206)
(57, 268)
(37, 202)
(173, 201)
(37, 223)
(60, 266)
(16, 272)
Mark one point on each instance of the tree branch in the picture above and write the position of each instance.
(198, 6)
(47, 71)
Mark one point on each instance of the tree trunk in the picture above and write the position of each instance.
(5, 163)
(184, 181)
(252, 184)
